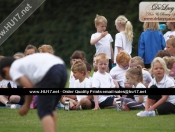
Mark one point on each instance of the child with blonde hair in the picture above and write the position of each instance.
(102, 39)
(79, 70)
(134, 62)
(134, 77)
(162, 104)
(46, 49)
(102, 79)
(118, 72)
(152, 39)
(170, 46)
(170, 34)
(123, 39)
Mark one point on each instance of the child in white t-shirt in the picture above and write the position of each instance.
(123, 39)
(170, 46)
(170, 34)
(162, 104)
(102, 79)
(118, 72)
(134, 77)
(79, 70)
(102, 39)
(134, 62)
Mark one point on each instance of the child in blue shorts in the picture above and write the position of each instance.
(39, 70)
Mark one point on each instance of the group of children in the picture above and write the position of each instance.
(150, 69)
(154, 67)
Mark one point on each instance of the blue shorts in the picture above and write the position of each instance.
(56, 77)
(108, 102)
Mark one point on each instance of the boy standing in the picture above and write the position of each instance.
(40, 70)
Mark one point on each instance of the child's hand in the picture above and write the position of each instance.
(96, 108)
(23, 110)
(103, 34)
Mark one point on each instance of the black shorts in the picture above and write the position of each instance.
(108, 102)
(56, 77)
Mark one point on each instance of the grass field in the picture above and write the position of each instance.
(106, 120)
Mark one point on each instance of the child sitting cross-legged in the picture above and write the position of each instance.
(134, 77)
(79, 70)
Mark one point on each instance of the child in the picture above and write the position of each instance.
(77, 55)
(30, 49)
(88, 72)
(46, 49)
(79, 70)
(146, 75)
(152, 39)
(162, 104)
(123, 39)
(170, 46)
(170, 34)
(18, 55)
(39, 70)
(118, 72)
(102, 79)
(102, 39)
(162, 53)
(134, 77)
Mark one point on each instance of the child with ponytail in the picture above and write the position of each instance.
(123, 39)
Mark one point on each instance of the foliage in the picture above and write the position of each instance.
(68, 25)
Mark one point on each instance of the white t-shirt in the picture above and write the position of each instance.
(102, 81)
(121, 41)
(136, 97)
(4, 83)
(166, 82)
(146, 76)
(118, 74)
(103, 45)
(167, 35)
(71, 80)
(34, 66)
(85, 84)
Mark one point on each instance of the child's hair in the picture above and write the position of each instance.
(123, 57)
(138, 60)
(19, 54)
(101, 56)
(173, 23)
(100, 19)
(127, 25)
(30, 47)
(88, 66)
(78, 54)
(162, 63)
(150, 25)
(5, 62)
(46, 49)
(169, 61)
(79, 66)
(171, 41)
(137, 72)
(162, 53)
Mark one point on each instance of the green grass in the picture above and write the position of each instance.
(107, 120)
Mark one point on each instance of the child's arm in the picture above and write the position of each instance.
(119, 49)
(96, 103)
(112, 53)
(25, 82)
(140, 99)
(162, 100)
(93, 41)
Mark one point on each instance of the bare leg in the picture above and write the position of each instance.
(48, 123)
(55, 120)
(3, 99)
(15, 99)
